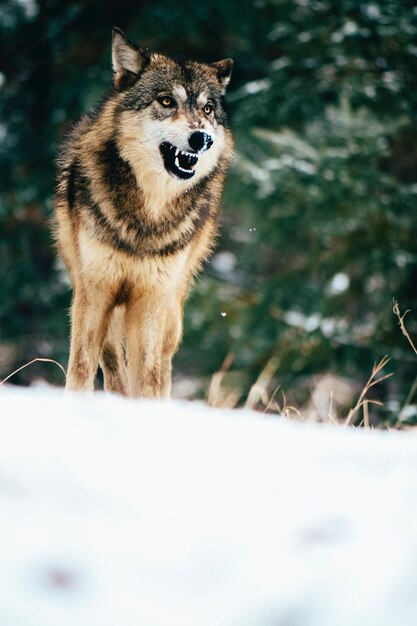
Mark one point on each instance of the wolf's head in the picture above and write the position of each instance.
(172, 124)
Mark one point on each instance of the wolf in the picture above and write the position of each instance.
(139, 186)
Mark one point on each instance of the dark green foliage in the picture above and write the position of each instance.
(319, 226)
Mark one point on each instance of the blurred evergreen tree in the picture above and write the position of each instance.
(321, 204)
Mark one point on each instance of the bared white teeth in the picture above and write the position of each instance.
(183, 153)
(183, 164)
(183, 169)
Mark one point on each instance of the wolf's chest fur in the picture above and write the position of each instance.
(106, 198)
(138, 194)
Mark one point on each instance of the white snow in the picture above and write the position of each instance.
(131, 513)
(339, 283)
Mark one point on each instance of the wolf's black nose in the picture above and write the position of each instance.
(200, 141)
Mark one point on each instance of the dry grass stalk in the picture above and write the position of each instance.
(396, 310)
(365, 415)
(271, 404)
(214, 396)
(332, 414)
(259, 390)
(258, 393)
(44, 360)
(408, 399)
(287, 409)
(363, 402)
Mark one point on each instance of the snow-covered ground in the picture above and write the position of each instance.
(127, 513)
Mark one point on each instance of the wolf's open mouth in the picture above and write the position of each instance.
(177, 162)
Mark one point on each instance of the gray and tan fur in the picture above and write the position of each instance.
(138, 194)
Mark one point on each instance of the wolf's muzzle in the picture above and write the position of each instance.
(199, 141)
(178, 162)
(181, 163)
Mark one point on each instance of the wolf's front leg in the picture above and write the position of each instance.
(90, 313)
(145, 323)
(172, 338)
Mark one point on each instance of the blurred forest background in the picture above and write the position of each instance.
(319, 222)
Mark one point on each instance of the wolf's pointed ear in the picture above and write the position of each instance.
(128, 61)
(223, 71)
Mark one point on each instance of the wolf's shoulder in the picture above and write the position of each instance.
(71, 140)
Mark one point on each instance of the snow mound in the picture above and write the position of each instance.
(117, 512)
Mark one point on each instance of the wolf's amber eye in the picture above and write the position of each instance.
(167, 102)
(208, 108)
